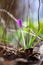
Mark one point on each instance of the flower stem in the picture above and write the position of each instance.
(23, 39)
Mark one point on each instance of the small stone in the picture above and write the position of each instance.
(41, 49)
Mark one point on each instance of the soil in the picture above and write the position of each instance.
(11, 56)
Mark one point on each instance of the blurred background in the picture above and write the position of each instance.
(26, 10)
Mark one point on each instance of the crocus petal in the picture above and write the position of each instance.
(19, 23)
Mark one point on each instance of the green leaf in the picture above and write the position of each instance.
(32, 39)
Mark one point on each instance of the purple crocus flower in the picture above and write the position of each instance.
(19, 23)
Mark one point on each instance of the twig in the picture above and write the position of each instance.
(3, 10)
(38, 16)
